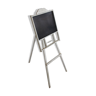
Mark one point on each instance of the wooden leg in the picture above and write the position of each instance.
(49, 76)
(64, 63)
(32, 52)
(62, 57)
(47, 69)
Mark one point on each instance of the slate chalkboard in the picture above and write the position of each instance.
(45, 24)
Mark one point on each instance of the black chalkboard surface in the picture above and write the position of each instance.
(45, 24)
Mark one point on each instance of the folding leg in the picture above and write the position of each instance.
(32, 52)
(49, 76)
(65, 64)
(62, 57)
(47, 69)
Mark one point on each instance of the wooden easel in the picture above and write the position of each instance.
(47, 47)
